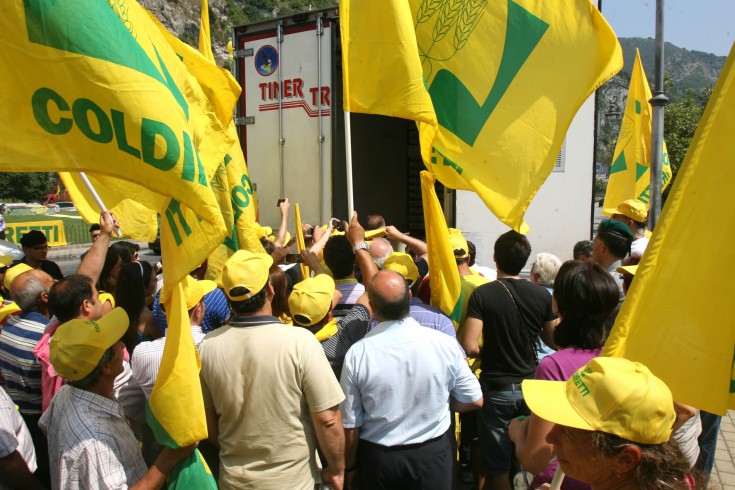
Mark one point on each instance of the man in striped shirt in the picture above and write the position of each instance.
(18, 365)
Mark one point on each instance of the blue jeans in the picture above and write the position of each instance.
(496, 448)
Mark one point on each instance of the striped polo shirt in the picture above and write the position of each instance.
(18, 365)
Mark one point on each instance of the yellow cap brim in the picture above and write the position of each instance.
(628, 269)
(373, 234)
(548, 400)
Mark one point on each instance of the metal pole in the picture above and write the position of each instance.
(658, 102)
(281, 139)
(348, 166)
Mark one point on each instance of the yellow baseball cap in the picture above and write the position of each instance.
(311, 299)
(6, 259)
(262, 231)
(628, 269)
(608, 394)
(633, 209)
(248, 270)
(14, 272)
(458, 243)
(403, 264)
(195, 290)
(77, 346)
(286, 238)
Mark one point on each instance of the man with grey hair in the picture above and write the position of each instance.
(380, 249)
(18, 365)
(396, 367)
(543, 272)
(544, 269)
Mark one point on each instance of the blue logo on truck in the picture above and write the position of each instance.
(266, 60)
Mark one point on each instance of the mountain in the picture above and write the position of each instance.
(686, 69)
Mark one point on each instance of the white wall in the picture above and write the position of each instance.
(560, 214)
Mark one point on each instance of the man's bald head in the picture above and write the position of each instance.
(30, 290)
(389, 296)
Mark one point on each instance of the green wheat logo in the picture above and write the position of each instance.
(454, 20)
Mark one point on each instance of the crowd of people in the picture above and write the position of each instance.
(346, 378)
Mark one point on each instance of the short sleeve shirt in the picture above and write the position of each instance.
(513, 312)
(264, 379)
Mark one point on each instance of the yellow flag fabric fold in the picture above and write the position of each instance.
(446, 291)
(137, 221)
(300, 241)
(74, 99)
(679, 317)
(630, 175)
(382, 35)
(505, 79)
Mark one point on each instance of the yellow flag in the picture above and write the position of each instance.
(505, 79)
(90, 86)
(175, 410)
(205, 37)
(382, 71)
(630, 176)
(679, 317)
(300, 241)
(231, 182)
(94, 86)
(137, 221)
(446, 291)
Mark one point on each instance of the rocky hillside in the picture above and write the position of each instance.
(181, 17)
(685, 69)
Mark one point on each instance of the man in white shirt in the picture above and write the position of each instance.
(400, 382)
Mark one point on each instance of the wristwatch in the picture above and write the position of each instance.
(360, 246)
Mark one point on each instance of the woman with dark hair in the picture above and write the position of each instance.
(584, 295)
(119, 254)
(280, 297)
(135, 282)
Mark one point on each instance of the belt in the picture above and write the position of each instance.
(502, 387)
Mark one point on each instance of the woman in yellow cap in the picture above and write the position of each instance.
(612, 423)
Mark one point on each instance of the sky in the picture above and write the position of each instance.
(701, 25)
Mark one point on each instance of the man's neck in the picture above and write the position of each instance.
(505, 275)
(464, 269)
(32, 262)
(104, 387)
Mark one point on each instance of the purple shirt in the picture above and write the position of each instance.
(559, 367)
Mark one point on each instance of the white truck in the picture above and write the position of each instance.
(291, 124)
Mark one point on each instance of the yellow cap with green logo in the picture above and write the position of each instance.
(77, 346)
(608, 394)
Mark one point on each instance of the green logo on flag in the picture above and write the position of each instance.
(77, 27)
(456, 108)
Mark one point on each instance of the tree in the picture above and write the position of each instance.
(24, 186)
(680, 122)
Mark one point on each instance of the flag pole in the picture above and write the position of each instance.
(348, 160)
(557, 479)
(96, 197)
(658, 102)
